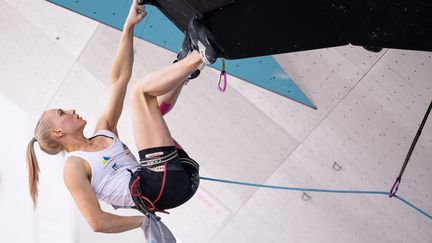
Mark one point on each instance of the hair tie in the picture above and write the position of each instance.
(34, 140)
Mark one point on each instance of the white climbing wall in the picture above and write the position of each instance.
(369, 108)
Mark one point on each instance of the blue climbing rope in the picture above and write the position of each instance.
(317, 190)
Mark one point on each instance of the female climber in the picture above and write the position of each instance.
(101, 167)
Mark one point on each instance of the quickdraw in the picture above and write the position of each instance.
(395, 186)
(222, 85)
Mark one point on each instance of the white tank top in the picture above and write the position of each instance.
(110, 178)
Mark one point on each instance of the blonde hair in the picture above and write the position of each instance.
(42, 135)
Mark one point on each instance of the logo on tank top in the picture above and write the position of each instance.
(115, 166)
(105, 160)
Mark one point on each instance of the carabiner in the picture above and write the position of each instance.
(395, 187)
(222, 88)
(222, 74)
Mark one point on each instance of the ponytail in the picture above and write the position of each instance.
(48, 145)
(33, 170)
